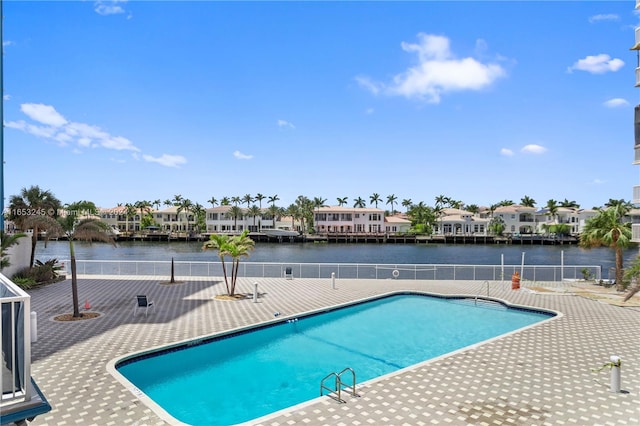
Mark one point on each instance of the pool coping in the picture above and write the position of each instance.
(204, 339)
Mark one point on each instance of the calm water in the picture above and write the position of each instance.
(345, 253)
(270, 369)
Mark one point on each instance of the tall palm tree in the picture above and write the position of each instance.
(569, 204)
(441, 200)
(236, 200)
(75, 229)
(342, 201)
(622, 202)
(235, 247)
(247, 199)
(527, 201)
(225, 201)
(235, 212)
(157, 203)
(167, 202)
(608, 228)
(32, 201)
(259, 197)
(473, 208)
(305, 206)
(129, 213)
(406, 203)
(391, 199)
(552, 209)
(144, 207)
(375, 199)
(254, 211)
(274, 211)
(199, 216)
(185, 205)
(359, 203)
(273, 199)
(213, 201)
(294, 211)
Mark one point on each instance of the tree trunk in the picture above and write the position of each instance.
(619, 268)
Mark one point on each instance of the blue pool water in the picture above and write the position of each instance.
(240, 377)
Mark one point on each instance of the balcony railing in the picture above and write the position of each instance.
(21, 398)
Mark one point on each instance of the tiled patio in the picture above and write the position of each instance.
(539, 376)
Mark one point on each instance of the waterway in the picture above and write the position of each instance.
(472, 254)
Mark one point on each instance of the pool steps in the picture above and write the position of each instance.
(338, 384)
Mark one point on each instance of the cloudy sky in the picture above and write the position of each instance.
(115, 101)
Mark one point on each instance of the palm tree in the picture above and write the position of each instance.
(186, 206)
(144, 207)
(32, 201)
(375, 199)
(199, 215)
(527, 201)
(236, 200)
(236, 247)
(406, 203)
(213, 201)
(608, 228)
(359, 203)
(473, 208)
(235, 212)
(342, 201)
(273, 199)
(552, 209)
(129, 213)
(294, 211)
(569, 204)
(168, 202)
(391, 199)
(79, 230)
(225, 201)
(247, 199)
(274, 211)
(441, 200)
(157, 203)
(622, 202)
(305, 205)
(259, 198)
(254, 211)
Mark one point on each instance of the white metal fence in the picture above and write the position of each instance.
(341, 270)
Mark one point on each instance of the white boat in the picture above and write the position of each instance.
(280, 233)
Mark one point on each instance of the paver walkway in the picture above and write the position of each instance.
(539, 376)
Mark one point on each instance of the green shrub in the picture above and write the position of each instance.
(24, 282)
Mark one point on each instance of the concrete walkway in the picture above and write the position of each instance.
(539, 376)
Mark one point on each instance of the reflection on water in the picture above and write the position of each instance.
(345, 253)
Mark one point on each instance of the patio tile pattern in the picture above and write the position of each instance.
(538, 376)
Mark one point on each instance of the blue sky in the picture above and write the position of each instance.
(116, 102)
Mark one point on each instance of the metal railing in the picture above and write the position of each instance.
(15, 356)
(341, 270)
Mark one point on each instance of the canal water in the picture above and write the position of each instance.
(345, 253)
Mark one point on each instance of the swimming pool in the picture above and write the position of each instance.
(237, 377)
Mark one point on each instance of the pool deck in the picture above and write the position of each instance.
(541, 375)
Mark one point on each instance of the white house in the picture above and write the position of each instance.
(340, 219)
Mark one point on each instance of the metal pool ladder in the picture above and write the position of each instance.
(339, 384)
(480, 291)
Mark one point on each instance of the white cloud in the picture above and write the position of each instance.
(285, 123)
(105, 7)
(241, 156)
(53, 126)
(533, 149)
(7, 97)
(438, 71)
(597, 64)
(616, 102)
(506, 152)
(604, 17)
(45, 114)
(166, 160)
